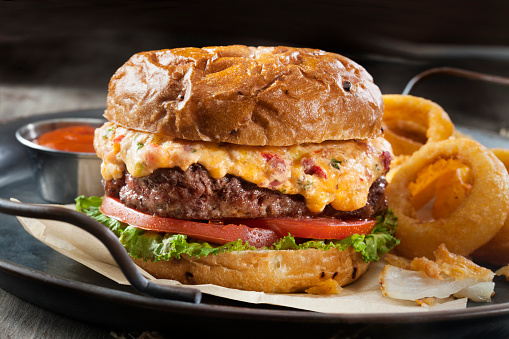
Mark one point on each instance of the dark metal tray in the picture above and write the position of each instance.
(38, 274)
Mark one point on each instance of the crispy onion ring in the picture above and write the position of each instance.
(410, 122)
(477, 219)
(496, 251)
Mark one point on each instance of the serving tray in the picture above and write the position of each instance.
(38, 274)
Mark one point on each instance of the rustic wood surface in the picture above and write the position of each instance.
(20, 319)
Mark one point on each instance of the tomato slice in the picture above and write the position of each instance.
(215, 233)
(313, 228)
(259, 232)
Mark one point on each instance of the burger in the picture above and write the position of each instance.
(255, 168)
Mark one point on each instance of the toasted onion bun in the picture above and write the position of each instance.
(251, 96)
(277, 96)
(285, 271)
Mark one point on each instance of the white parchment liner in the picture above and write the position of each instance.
(363, 296)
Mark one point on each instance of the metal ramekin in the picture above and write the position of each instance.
(61, 176)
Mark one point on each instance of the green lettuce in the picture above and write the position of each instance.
(156, 246)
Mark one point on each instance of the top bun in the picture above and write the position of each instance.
(276, 96)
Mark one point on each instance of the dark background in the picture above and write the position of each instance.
(82, 43)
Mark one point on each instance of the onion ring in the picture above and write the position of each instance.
(503, 155)
(476, 220)
(496, 251)
(410, 122)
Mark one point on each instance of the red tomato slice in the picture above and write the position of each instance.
(215, 233)
(314, 228)
(259, 232)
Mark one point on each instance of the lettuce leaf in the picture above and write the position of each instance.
(155, 246)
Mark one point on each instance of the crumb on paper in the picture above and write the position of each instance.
(398, 261)
(329, 286)
(426, 302)
(503, 271)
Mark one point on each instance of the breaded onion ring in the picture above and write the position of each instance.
(477, 219)
(496, 251)
(503, 155)
(410, 122)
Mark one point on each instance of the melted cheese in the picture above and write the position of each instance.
(339, 173)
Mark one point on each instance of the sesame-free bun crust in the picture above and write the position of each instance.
(275, 96)
(286, 271)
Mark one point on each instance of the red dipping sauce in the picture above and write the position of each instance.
(71, 139)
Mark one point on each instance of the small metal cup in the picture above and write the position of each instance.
(61, 176)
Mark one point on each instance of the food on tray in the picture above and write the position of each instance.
(449, 274)
(483, 193)
(504, 270)
(251, 168)
(409, 122)
(446, 189)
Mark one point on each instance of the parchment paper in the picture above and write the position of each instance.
(363, 296)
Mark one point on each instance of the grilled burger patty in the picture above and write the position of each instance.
(194, 194)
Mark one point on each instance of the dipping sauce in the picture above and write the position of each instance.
(71, 139)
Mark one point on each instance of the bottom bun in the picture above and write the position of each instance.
(284, 271)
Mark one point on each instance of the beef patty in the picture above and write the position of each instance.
(193, 194)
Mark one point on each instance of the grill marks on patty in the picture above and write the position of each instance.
(193, 194)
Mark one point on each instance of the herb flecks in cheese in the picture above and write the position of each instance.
(339, 173)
